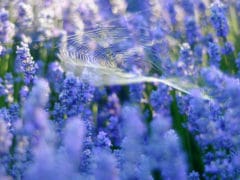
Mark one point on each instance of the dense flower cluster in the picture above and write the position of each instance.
(109, 89)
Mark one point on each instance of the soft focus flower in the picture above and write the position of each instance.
(5, 138)
(214, 53)
(25, 16)
(218, 18)
(7, 29)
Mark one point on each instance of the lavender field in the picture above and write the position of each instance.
(119, 89)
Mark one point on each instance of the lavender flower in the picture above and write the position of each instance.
(136, 92)
(6, 88)
(3, 91)
(215, 127)
(11, 116)
(132, 143)
(73, 139)
(75, 95)
(103, 140)
(214, 53)
(110, 115)
(25, 63)
(186, 64)
(167, 157)
(161, 99)
(171, 11)
(228, 48)
(4, 15)
(105, 162)
(23, 93)
(191, 30)
(193, 176)
(9, 83)
(185, 54)
(218, 18)
(7, 29)
(25, 16)
(37, 125)
(44, 165)
(201, 6)
(5, 138)
(188, 6)
(55, 75)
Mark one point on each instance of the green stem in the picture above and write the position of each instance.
(194, 155)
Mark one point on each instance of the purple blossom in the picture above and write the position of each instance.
(185, 53)
(214, 53)
(4, 15)
(106, 165)
(25, 63)
(7, 29)
(55, 75)
(3, 90)
(23, 93)
(228, 48)
(193, 176)
(192, 33)
(132, 146)
(172, 12)
(136, 92)
(161, 99)
(213, 123)
(103, 140)
(74, 134)
(188, 7)
(25, 16)
(6, 87)
(201, 6)
(5, 137)
(218, 18)
(74, 95)
(36, 122)
(44, 164)
(168, 156)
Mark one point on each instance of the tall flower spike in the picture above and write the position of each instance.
(25, 63)
(188, 6)
(218, 19)
(5, 138)
(228, 48)
(73, 139)
(214, 53)
(25, 15)
(191, 30)
(7, 29)
(165, 150)
(160, 100)
(132, 147)
(36, 122)
(186, 54)
(74, 95)
(55, 75)
(171, 11)
(105, 162)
